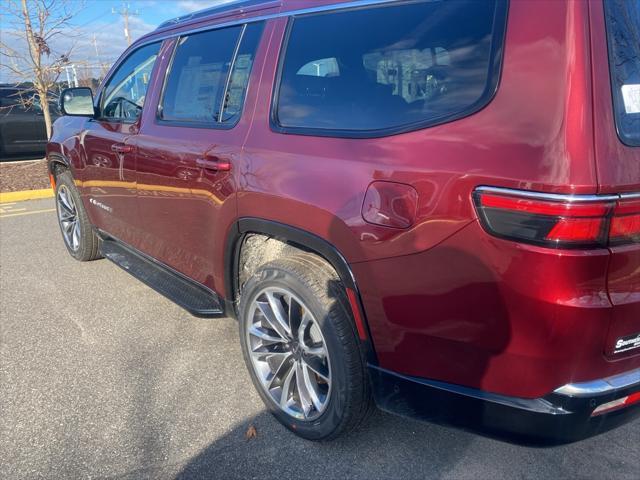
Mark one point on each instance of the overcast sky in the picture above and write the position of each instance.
(94, 19)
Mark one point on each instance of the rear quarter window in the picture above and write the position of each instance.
(385, 69)
(623, 36)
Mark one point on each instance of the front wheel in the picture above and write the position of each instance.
(78, 234)
(301, 348)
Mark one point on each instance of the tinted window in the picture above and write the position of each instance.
(124, 94)
(240, 76)
(623, 31)
(198, 75)
(11, 101)
(390, 67)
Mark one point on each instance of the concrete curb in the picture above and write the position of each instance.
(6, 197)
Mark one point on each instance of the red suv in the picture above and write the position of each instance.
(430, 204)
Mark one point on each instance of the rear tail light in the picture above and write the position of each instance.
(625, 224)
(616, 404)
(559, 221)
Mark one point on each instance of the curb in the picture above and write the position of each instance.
(6, 197)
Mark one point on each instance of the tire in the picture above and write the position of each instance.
(337, 388)
(77, 232)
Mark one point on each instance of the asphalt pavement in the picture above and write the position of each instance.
(101, 377)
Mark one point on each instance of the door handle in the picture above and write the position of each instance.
(215, 165)
(121, 148)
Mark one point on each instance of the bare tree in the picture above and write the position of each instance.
(27, 47)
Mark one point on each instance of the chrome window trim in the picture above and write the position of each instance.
(270, 16)
(556, 197)
(630, 196)
(600, 386)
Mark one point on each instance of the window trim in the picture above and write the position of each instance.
(115, 70)
(220, 124)
(494, 68)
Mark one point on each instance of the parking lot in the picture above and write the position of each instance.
(103, 378)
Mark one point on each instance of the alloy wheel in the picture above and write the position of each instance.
(68, 218)
(289, 353)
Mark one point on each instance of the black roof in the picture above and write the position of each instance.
(225, 7)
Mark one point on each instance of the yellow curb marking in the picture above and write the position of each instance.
(12, 197)
(26, 213)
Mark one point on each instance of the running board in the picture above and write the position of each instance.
(197, 299)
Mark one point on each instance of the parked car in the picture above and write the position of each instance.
(431, 205)
(22, 127)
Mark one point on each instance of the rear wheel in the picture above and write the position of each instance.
(301, 349)
(78, 234)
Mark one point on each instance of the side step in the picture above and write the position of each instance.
(192, 296)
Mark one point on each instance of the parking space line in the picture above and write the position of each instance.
(5, 215)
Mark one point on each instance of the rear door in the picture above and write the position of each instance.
(19, 129)
(615, 27)
(109, 179)
(188, 149)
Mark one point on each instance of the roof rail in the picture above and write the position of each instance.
(211, 11)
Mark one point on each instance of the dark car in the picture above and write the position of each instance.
(22, 127)
(430, 204)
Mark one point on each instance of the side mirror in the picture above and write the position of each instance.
(77, 102)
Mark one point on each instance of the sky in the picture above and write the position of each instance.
(93, 19)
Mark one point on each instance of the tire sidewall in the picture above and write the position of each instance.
(334, 413)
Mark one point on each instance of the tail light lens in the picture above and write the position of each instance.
(625, 224)
(558, 221)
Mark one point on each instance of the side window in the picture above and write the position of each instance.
(623, 34)
(12, 102)
(123, 95)
(199, 76)
(391, 67)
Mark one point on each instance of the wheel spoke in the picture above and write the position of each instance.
(303, 393)
(272, 320)
(66, 202)
(278, 311)
(281, 371)
(76, 235)
(265, 336)
(286, 389)
(295, 316)
(314, 351)
(318, 367)
(312, 386)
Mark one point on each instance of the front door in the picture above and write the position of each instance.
(109, 180)
(188, 149)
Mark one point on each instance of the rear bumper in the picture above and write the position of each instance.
(560, 417)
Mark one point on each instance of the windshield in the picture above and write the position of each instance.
(623, 33)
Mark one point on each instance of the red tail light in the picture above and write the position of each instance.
(559, 221)
(625, 224)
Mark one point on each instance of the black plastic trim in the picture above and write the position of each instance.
(552, 419)
(298, 238)
(175, 286)
(491, 88)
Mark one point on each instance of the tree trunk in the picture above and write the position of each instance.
(46, 112)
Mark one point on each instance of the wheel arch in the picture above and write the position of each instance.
(303, 240)
(55, 159)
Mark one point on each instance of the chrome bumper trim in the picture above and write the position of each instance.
(601, 386)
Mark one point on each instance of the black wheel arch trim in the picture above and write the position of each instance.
(298, 238)
(57, 158)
